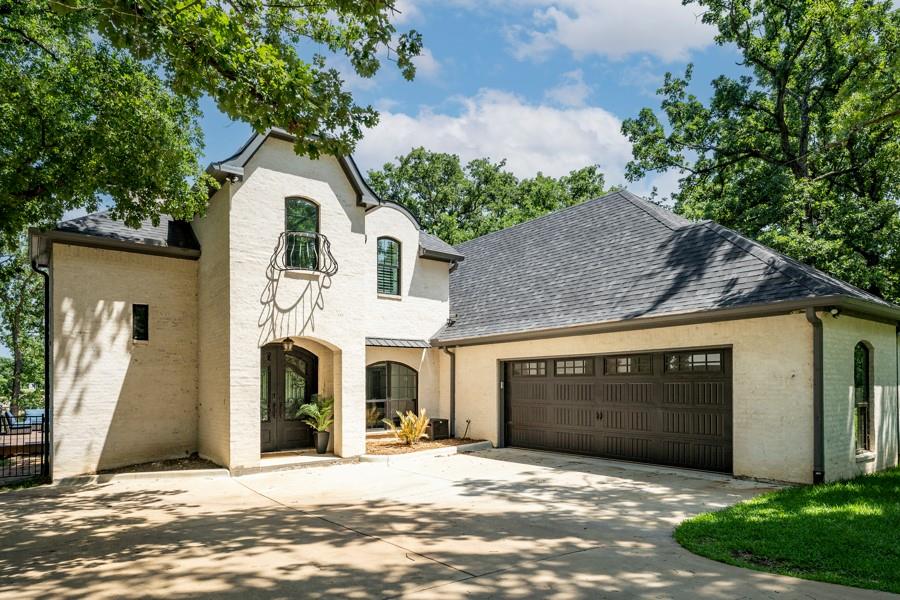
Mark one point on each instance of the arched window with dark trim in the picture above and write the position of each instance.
(301, 218)
(390, 387)
(388, 266)
(862, 397)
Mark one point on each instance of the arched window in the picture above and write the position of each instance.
(862, 396)
(301, 217)
(388, 266)
(390, 387)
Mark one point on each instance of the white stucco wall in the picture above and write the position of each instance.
(337, 312)
(117, 401)
(772, 384)
(841, 335)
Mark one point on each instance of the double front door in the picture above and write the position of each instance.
(287, 382)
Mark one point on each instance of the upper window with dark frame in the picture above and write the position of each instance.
(574, 366)
(529, 368)
(631, 364)
(140, 322)
(301, 223)
(388, 266)
(862, 397)
(688, 362)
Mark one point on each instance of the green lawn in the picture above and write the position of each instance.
(846, 532)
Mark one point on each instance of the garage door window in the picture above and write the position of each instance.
(692, 362)
(530, 368)
(575, 366)
(635, 364)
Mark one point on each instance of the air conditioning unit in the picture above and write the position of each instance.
(439, 429)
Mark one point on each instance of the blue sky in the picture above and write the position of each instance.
(543, 84)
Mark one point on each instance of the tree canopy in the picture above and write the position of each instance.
(101, 96)
(21, 330)
(803, 151)
(459, 202)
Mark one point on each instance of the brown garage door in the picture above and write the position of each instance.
(670, 408)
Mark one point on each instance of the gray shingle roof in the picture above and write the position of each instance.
(617, 258)
(169, 233)
(396, 343)
(431, 245)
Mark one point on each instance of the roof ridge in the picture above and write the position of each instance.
(781, 262)
(539, 217)
(643, 204)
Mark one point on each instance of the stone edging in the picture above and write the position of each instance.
(434, 452)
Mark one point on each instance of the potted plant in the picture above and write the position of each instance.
(319, 415)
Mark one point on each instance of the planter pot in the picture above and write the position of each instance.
(322, 442)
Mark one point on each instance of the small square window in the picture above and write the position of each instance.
(636, 364)
(530, 368)
(683, 362)
(575, 366)
(140, 322)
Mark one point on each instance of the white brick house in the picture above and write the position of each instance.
(613, 328)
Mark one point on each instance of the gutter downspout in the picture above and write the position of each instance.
(452, 356)
(48, 407)
(818, 397)
(897, 407)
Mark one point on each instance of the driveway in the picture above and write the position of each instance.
(500, 523)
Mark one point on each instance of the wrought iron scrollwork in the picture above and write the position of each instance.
(304, 251)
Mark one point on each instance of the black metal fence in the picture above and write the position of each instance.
(24, 447)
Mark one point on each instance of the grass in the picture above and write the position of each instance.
(845, 532)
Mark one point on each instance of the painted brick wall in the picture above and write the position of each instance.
(772, 365)
(336, 312)
(118, 401)
(840, 338)
(213, 329)
(426, 362)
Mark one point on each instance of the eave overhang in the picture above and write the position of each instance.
(846, 306)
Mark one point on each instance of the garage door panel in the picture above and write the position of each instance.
(653, 407)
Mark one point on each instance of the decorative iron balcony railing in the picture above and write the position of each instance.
(304, 251)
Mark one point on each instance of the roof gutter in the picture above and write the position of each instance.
(452, 356)
(848, 306)
(818, 397)
(93, 241)
(46, 471)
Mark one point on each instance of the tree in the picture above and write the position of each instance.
(803, 151)
(458, 203)
(101, 96)
(21, 329)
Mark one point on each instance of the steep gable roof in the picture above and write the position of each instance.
(619, 258)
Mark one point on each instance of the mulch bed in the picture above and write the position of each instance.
(389, 445)
(176, 464)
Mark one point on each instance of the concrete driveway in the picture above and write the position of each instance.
(499, 523)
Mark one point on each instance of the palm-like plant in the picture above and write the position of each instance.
(412, 427)
(319, 413)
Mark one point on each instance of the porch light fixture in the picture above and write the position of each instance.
(287, 344)
(835, 312)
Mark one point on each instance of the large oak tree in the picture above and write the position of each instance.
(459, 202)
(100, 97)
(803, 151)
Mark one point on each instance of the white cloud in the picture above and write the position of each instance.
(427, 65)
(610, 28)
(406, 11)
(495, 124)
(573, 91)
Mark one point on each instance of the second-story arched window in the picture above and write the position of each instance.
(388, 266)
(301, 224)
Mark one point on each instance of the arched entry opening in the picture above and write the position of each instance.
(288, 380)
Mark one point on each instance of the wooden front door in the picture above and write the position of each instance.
(287, 381)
